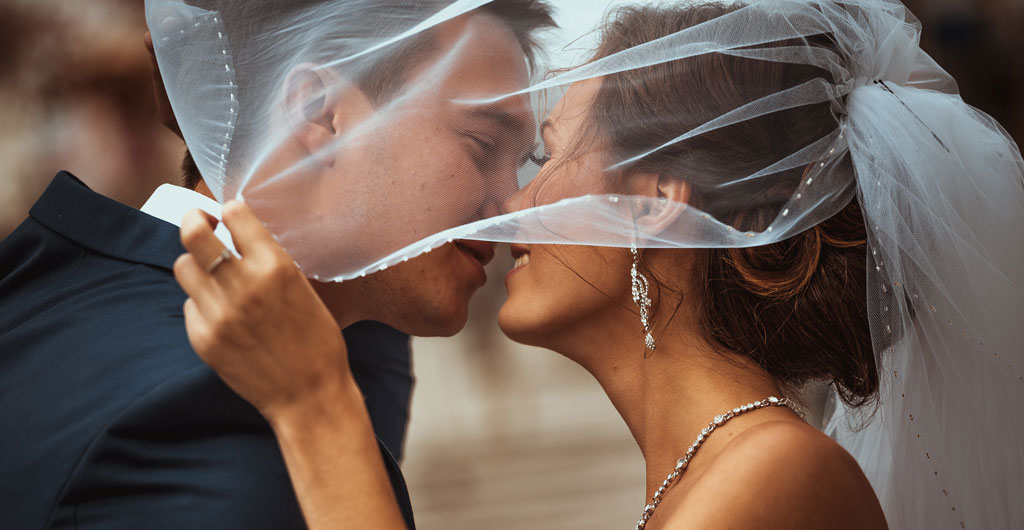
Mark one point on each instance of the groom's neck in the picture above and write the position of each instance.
(204, 190)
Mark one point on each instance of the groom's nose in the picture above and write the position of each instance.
(499, 191)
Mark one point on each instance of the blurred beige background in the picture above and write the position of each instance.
(76, 94)
(505, 436)
(502, 436)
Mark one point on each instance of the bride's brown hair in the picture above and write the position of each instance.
(796, 307)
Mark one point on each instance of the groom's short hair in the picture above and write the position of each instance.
(380, 74)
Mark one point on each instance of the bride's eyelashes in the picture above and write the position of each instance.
(540, 160)
(484, 152)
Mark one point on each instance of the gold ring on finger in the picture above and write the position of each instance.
(224, 256)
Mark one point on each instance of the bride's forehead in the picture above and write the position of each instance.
(576, 101)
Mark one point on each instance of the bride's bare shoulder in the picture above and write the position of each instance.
(780, 475)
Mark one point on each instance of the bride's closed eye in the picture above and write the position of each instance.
(541, 158)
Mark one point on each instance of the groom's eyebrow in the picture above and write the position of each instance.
(518, 124)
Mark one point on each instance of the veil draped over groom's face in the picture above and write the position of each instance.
(353, 128)
(376, 170)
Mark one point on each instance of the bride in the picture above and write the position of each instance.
(696, 346)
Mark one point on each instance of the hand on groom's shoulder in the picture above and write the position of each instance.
(107, 417)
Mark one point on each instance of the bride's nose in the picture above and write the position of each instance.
(517, 201)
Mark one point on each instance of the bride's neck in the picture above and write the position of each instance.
(667, 396)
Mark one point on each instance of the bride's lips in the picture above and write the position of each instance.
(521, 254)
(480, 253)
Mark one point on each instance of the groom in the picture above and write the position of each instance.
(109, 420)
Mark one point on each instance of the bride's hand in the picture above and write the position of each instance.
(256, 320)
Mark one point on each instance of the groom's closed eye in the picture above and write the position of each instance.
(483, 150)
(502, 131)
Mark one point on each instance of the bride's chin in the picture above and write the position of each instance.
(517, 328)
(507, 324)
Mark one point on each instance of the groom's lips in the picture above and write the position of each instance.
(478, 254)
(481, 251)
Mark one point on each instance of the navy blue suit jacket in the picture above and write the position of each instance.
(108, 419)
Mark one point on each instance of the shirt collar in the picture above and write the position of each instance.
(170, 203)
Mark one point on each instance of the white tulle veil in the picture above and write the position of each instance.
(940, 184)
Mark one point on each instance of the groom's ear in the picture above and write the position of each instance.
(320, 108)
(672, 194)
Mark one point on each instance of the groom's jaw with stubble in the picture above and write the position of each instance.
(421, 297)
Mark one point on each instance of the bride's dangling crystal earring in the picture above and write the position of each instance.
(640, 298)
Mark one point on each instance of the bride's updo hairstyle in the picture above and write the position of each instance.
(796, 307)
